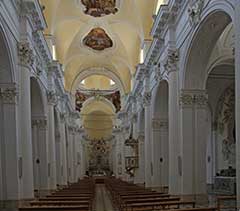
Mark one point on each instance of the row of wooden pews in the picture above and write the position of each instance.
(78, 196)
(130, 197)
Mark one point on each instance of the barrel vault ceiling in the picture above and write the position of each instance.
(124, 31)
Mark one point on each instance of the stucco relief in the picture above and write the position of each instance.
(195, 10)
(226, 125)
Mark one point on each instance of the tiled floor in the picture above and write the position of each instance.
(103, 201)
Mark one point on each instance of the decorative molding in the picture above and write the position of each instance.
(52, 97)
(39, 123)
(193, 97)
(158, 124)
(171, 64)
(26, 53)
(147, 96)
(195, 10)
(158, 76)
(9, 95)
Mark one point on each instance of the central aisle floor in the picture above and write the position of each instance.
(103, 201)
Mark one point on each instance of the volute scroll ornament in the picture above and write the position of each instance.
(52, 97)
(172, 60)
(26, 54)
(8, 95)
(195, 10)
(147, 99)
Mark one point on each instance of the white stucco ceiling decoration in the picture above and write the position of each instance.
(128, 28)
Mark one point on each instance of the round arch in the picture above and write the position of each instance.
(98, 71)
(215, 18)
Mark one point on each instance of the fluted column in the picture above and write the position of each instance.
(193, 141)
(147, 141)
(237, 84)
(26, 55)
(52, 100)
(174, 143)
(9, 167)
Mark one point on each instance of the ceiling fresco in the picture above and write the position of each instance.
(99, 8)
(97, 39)
(98, 34)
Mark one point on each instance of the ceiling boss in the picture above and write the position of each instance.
(99, 8)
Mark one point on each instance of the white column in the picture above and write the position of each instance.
(63, 149)
(43, 153)
(141, 145)
(51, 141)
(148, 141)
(40, 153)
(9, 168)
(237, 84)
(164, 159)
(74, 155)
(174, 143)
(160, 153)
(70, 154)
(194, 141)
(156, 153)
(26, 160)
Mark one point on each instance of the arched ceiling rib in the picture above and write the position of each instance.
(127, 28)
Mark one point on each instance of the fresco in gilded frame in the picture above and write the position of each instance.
(99, 8)
(97, 39)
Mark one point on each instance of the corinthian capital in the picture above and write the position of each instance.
(195, 10)
(52, 97)
(8, 95)
(172, 60)
(26, 53)
(147, 99)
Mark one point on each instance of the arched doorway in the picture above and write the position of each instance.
(39, 137)
(160, 155)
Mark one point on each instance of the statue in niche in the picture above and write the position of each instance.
(98, 39)
(99, 8)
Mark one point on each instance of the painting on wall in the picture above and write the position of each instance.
(97, 39)
(81, 97)
(226, 125)
(99, 8)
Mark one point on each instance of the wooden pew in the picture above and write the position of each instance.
(222, 199)
(53, 208)
(78, 196)
(157, 205)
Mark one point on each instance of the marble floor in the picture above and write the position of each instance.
(102, 200)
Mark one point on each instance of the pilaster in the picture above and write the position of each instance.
(193, 105)
(237, 84)
(9, 189)
(26, 62)
(171, 67)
